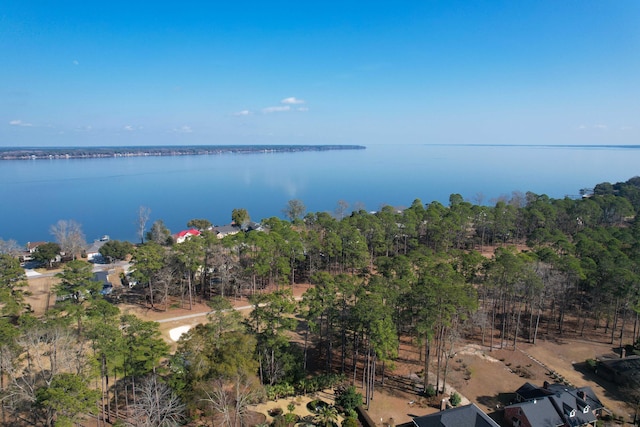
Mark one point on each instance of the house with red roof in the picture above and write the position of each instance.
(185, 234)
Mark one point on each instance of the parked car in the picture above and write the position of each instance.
(106, 289)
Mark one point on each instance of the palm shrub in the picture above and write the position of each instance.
(455, 399)
(326, 416)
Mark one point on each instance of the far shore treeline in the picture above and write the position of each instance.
(15, 153)
(432, 276)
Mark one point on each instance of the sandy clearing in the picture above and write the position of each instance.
(176, 333)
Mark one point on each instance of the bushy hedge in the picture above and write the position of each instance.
(304, 386)
(348, 398)
(320, 382)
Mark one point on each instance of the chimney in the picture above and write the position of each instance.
(623, 353)
(581, 394)
(545, 385)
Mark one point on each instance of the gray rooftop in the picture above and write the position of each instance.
(562, 406)
(463, 416)
(541, 413)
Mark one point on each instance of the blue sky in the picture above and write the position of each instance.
(81, 73)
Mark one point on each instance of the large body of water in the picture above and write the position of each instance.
(104, 195)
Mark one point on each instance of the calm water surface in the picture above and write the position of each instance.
(104, 194)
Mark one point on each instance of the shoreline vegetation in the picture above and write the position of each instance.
(37, 153)
(408, 305)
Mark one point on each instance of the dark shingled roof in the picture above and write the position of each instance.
(567, 404)
(529, 391)
(463, 416)
(627, 369)
(589, 396)
(540, 413)
(561, 406)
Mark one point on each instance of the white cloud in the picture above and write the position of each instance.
(76, 62)
(276, 109)
(292, 100)
(129, 128)
(20, 123)
(303, 109)
(242, 113)
(601, 127)
(183, 129)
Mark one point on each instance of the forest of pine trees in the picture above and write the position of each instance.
(528, 266)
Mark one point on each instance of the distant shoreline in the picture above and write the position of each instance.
(54, 153)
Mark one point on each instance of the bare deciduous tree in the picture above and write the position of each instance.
(40, 354)
(218, 398)
(69, 235)
(156, 405)
(341, 209)
(229, 400)
(165, 278)
(159, 233)
(143, 216)
(295, 209)
(9, 247)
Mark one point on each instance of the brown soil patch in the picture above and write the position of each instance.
(568, 358)
(198, 311)
(488, 251)
(251, 419)
(41, 296)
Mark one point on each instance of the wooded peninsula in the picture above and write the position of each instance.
(35, 153)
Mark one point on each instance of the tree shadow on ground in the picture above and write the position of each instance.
(612, 390)
(496, 404)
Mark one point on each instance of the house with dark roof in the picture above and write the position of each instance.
(553, 405)
(30, 250)
(32, 246)
(580, 394)
(624, 371)
(93, 250)
(254, 226)
(462, 416)
(225, 230)
(530, 391)
(533, 413)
